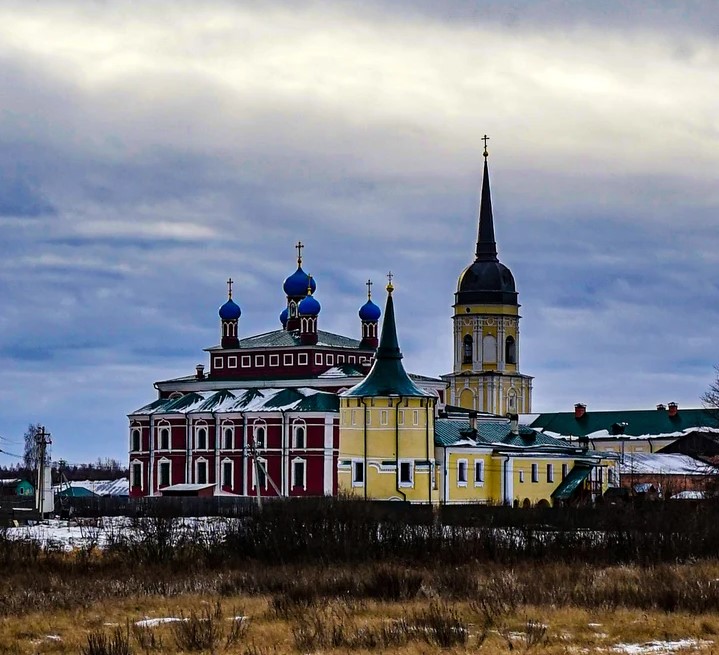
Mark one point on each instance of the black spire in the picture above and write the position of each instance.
(486, 245)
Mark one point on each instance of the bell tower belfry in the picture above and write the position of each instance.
(485, 375)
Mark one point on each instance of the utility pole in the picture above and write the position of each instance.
(42, 441)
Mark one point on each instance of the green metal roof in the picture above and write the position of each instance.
(571, 483)
(639, 422)
(448, 432)
(283, 338)
(387, 376)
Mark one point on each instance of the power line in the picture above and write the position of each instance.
(5, 452)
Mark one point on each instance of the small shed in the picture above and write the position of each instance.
(188, 489)
(16, 487)
(75, 492)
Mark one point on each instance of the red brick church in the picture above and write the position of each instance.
(263, 417)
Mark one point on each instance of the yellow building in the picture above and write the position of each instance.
(486, 375)
(387, 429)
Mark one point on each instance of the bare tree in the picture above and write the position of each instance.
(31, 452)
(710, 398)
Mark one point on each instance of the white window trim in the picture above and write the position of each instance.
(259, 423)
(227, 460)
(415, 417)
(355, 482)
(350, 359)
(225, 427)
(217, 362)
(160, 462)
(246, 361)
(318, 358)
(198, 427)
(198, 461)
(302, 359)
(293, 481)
(132, 440)
(263, 462)
(384, 417)
(480, 482)
(232, 361)
(137, 462)
(340, 359)
(402, 483)
(158, 436)
(299, 423)
(287, 359)
(330, 359)
(466, 471)
(274, 360)
(259, 361)
(400, 417)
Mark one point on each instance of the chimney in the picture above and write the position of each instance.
(473, 421)
(579, 410)
(673, 409)
(200, 372)
(513, 423)
(660, 407)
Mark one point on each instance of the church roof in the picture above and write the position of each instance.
(387, 376)
(283, 339)
(245, 400)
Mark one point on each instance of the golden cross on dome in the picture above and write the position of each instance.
(390, 287)
(369, 289)
(309, 285)
(485, 138)
(299, 247)
(229, 288)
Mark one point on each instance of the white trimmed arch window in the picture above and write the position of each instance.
(259, 469)
(201, 471)
(202, 438)
(259, 433)
(299, 434)
(299, 473)
(164, 472)
(227, 473)
(162, 432)
(228, 435)
(136, 479)
(135, 439)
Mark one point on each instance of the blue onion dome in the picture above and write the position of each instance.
(230, 311)
(370, 312)
(297, 283)
(284, 315)
(309, 306)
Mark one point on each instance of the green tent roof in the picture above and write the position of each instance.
(639, 422)
(571, 483)
(448, 432)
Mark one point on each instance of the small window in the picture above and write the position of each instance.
(287, 359)
(137, 475)
(565, 470)
(246, 361)
(550, 472)
(228, 438)
(351, 359)
(227, 474)
(406, 473)
(232, 362)
(462, 472)
(201, 472)
(415, 417)
(467, 348)
(340, 359)
(383, 417)
(354, 417)
(299, 437)
(259, 437)
(330, 359)
(202, 439)
(164, 439)
(610, 476)
(400, 417)
(302, 359)
(274, 360)
(478, 471)
(535, 472)
(510, 351)
(217, 362)
(318, 358)
(164, 474)
(298, 473)
(259, 474)
(521, 477)
(358, 473)
(259, 360)
(135, 439)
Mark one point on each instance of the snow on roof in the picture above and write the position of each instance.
(120, 487)
(663, 464)
(187, 487)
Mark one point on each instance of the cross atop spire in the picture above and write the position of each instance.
(229, 288)
(486, 245)
(309, 285)
(369, 289)
(299, 247)
(390, 286)
(485, 138)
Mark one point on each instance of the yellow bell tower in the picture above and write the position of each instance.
(486, 375)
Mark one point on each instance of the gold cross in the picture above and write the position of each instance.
(390, 288)
(299, 247)
(485, 138)
(229, 288)
(369, 289)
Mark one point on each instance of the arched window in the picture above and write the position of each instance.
(136, 439)
(201, 439)
(299, 436)
(259, 434)
(164, 439)
(467, 355)
(510, 351)
(228, 438)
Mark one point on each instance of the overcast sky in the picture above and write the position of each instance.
(150, 150)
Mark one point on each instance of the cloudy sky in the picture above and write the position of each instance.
(150, 150)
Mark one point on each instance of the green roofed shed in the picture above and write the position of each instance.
(571, 483)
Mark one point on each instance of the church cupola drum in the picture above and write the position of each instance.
(486, 317)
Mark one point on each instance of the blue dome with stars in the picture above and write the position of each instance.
(370, 312)
(284, 315)
(230, 311)
(309, 306)
(297, 283)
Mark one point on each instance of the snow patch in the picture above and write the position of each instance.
(659, 647)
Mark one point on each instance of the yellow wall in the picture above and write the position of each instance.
(409, 422)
